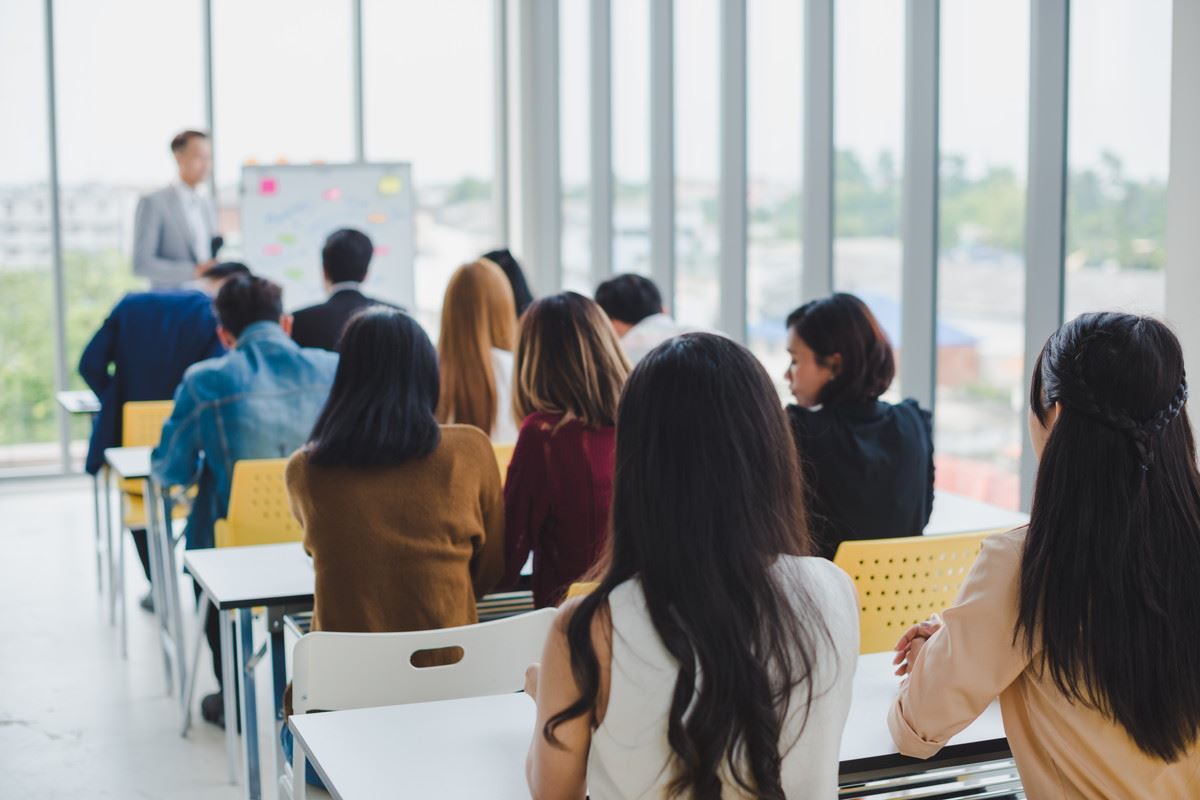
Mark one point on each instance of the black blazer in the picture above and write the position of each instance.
(321, 325)
(868, 468)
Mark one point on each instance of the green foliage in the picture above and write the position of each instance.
(467, 190)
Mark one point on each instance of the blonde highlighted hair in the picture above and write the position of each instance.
(568, 361)
(478, 314)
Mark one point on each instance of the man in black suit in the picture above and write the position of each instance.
(344, 259)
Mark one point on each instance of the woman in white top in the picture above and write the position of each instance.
(475, 351)
(707, 576)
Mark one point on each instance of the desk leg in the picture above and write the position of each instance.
(229, 682)
(278, 681)
(248, 705)
(98, 534)
(174, 609)
(157, 582)
(108, 539)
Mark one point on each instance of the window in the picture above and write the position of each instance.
(574, 150)
(979, 423)
(415, 57)
(28, 421)
(283, 89)
(631, 135)
(1118, 141)
(147, 82)
(697, 231)
(869, 152)
(775, 30)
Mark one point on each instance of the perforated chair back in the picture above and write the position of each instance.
(142, 422)
(339, 671)
(504, 454)
(903, 581)
(258, 506)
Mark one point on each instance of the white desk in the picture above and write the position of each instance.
(128, 463)
(419, 750)
(953, 513)
(85, 402)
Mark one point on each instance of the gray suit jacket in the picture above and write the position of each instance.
(162, 243)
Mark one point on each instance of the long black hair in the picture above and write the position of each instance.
(380, 408)
(842, 323)
(1110, 578)
(707, 495)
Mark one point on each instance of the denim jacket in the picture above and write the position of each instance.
(258, 401)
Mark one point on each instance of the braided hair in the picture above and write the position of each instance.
(1108, 601)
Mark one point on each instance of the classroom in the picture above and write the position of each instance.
(610, 399)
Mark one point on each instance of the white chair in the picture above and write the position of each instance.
(341, 671)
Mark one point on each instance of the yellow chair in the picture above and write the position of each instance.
(141, 426)
(258, 506)
(903, 581)
(581, 588)
(504, 453)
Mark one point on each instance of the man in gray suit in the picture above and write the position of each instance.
(175, 227)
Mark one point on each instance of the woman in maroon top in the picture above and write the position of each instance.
(569, 370)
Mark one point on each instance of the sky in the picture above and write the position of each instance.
(283, 77)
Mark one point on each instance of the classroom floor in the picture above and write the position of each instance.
(76, 720)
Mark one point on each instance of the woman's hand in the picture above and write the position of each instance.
(912, 641)
(531, 680)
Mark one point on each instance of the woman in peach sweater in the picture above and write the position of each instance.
(1086, 623)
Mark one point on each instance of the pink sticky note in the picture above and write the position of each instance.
(272, 249)
(382, 250)
(332, 194)
(268, 186)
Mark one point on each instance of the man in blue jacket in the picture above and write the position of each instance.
(260, 400)
(141, 352)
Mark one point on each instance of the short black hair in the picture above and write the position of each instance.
(505, 260)
(180, 142)
(226, 269)
(842, 323)
(346, 256)
(629, 298)
(246, 299)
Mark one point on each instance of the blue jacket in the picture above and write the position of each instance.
(259, 401)
(150, 338)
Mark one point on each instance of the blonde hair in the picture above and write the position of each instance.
(478, 313)
(568, 361)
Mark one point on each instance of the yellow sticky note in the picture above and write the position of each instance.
(378, 219)
(389, 184)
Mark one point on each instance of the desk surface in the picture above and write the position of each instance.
(129, 462)
(78, 402)
(418, 750)
(242, 577)
(953, 513)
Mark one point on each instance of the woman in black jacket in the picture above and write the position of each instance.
(868, 464)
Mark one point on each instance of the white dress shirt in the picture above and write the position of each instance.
(648, 334)
(195, 213)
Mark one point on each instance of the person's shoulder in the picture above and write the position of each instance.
(909, 406)
(827, 584)
(540, 424)
(325, 360)
(158, 195)
(1008, 545)
(303, 314)
(465, 441)
(297, 465)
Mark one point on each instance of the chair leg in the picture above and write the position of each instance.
(96, 534)
(189, 695)
(228, 692)
(120, 591)
(299, 771)
(108, 539)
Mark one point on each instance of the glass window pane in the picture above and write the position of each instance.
(28, 421)
(1118, 144)
(110, 71)
(868, 143)
(775, 30)
(979, 423)
(574, 149)
(697, 97)
(631, 135)
(450, 144)
(282, 83)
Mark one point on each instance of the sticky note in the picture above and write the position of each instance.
(382, 250)
(272, 249)
(389, 184)
(332, 194)
(268, 186)
(287, 238)
(250, 162)
(378, 219)
(282, 160)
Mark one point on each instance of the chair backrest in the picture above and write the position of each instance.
(339, 671)
(258, 506)
(504, 454)
(902, 581)
(581, 588)
(142, 422)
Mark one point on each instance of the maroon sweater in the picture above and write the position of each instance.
(556, 502)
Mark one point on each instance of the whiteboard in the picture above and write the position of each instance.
(289, 210)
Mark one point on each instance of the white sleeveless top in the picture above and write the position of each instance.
(504, 431)
(630, 756)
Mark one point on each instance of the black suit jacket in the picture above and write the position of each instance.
(321, 325)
